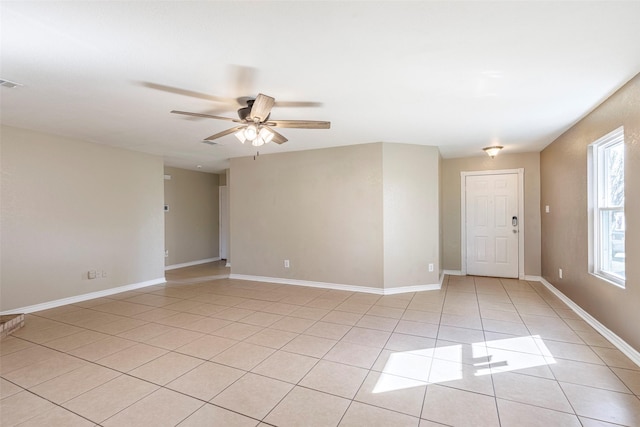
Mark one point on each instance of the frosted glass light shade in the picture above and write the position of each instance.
(266, 135)
(492, 151)
(240, 136)
(251, 132)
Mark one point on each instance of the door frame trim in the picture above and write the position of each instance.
(463, 215)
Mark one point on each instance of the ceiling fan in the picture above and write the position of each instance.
(255, 125)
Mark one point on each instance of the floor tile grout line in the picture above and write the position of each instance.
(484, 335)
(179, 327)
(435, 345)
(538, 406)
(384, 347)
(158, 389)
(316, 321)
(87, 391)
(186, 354)
(121, 372)
(536, 343)
(280, 349)
(209, 402)
(597, 355)
(345, 411)
(160, 386)
(550, 370)
(569, 326)
(50, 401)
(317, 362)
(187, 416)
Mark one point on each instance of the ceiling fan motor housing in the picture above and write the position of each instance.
(244, 112)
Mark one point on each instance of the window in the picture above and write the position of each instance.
(606, 201)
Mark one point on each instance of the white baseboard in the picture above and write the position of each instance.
(453, 272)
(336, 286)
(191, 263)
(199, 279)
(84, 297)
(618, 342)
(414, 288)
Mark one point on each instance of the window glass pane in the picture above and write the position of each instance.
(606, 199)
(612, 237)
(614, 174)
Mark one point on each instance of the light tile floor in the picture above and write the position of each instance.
(205, 351)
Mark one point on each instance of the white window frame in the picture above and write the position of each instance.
(597, 203)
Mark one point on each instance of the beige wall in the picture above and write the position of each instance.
(451, 169)
(191, 224)
(363, 215)
(69, 207)
(320, 209)
(411, 214)
(565, 228)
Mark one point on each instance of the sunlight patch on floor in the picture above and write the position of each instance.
(414, 368)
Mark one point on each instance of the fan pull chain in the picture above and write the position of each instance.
(257, 155)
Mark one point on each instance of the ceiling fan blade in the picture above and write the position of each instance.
(224, 133)
(262, 107)
(278, 138)
(297, 104)
(190, 93)
(299, 124)
(211, 112)
(208, 116)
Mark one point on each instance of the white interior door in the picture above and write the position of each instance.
(492, 225)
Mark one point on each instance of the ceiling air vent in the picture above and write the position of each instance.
(9, 84)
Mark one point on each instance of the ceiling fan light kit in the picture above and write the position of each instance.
(256, 135)
(255, 125)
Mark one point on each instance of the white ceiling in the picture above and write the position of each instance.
(457, 75)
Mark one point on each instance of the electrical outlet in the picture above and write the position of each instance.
(546, 209)
(104, 273)
(91, 274)
(166, 253)
(430, 267)
(286, 263)
(560, 273)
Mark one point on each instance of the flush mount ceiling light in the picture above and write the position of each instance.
(493, 150)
